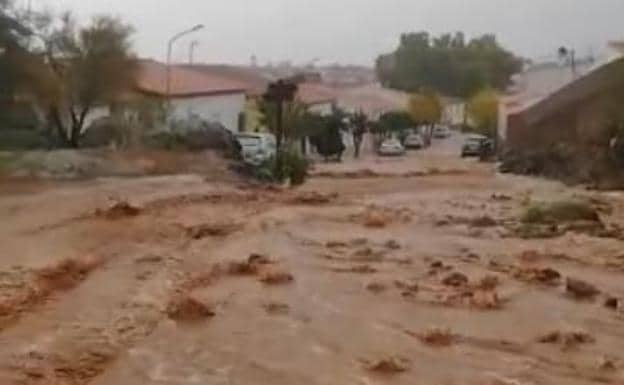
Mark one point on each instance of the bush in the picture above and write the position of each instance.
(294, 168)
(560, 211)
(205, 137)
(99, 134)
(22, 139)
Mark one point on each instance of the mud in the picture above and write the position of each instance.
(338, 281)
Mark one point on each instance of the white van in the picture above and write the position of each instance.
(256, 148)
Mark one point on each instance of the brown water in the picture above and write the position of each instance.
(329, 325)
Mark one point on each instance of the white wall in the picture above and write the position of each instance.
(95, 114)
(322, 109)
(453, 113)
(224, 109)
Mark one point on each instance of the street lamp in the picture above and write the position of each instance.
(192, 47)
(569, 55)
(169, 48)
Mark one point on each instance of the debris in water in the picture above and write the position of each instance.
(485, 300)
(335, 244)
(358, 241)
(358, 269)
(455, 279)
(580, 289)
(367, 254)
(276, 277)
(488, 282)
(375, 216)
(392, 244)
(435, 337)
(66, 274)
(406, 286)
(567, 339)
(259, 259)
(277, 308)
(376, 287)
(242, 268)
(607, 364)
(313, 198)
(249, 267)
(545, 275)
(188, 309)
(612, 303)
(219, 229)
(390, 365)
(119, 210)
(483, 221)
(500, 197)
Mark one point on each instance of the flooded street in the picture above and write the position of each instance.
(377, 271)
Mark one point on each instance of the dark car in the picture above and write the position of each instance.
(476, 145)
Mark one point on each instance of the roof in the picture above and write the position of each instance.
(372, 99)
(255, 84)
(314, 93)
(604, 77)
(152, 79)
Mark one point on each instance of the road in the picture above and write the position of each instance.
(377, 271)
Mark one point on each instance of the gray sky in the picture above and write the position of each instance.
(352, 31)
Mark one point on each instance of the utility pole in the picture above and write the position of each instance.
(569, 55)
(169, 49)
(278, 93)
(192, 47)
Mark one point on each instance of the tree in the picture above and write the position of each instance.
(425, 109)
(483, 110)
(13, 50)
(447, 64)
(328, 141)
(85, 68)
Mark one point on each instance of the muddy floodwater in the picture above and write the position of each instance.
(413, 270)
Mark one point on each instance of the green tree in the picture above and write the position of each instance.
(13, 50)
(84, 68)
(328, 140)
(447, 64)
(425, 109)
(482, 108)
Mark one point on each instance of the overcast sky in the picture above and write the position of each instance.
(352, 31)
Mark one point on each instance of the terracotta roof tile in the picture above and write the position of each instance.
(312, 93)
(253, 81)
(184, 82)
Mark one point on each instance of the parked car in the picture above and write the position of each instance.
(414, 141)
(476, 145)
(441, 132)
(391, 147)
(256, 148)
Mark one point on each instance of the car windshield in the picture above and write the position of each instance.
(249, 140)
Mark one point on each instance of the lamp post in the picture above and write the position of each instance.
(569, 55)
(192, 47)
(169, 48)
(279, 93)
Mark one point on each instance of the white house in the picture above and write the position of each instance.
(453, 112)
(194, 94)
(317, 98)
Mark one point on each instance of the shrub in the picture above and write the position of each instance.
(22, 139)
(560, 211)
(295, 167)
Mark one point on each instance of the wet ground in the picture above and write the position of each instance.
(377, 271)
